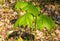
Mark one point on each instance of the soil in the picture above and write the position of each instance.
(8, 17)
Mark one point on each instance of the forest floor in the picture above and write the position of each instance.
(8, 17)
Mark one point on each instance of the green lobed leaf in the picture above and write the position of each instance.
(39, 23)
(20, 4)
(38, 8)
(45, 21)
(29, 19)
(28, 7)
(16, 24)
(26, 19)
(32, 9)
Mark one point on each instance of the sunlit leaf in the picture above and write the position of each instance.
(31, 9)
(28, 7)
(16, 24)
(38, 8)
(26, 19)
(45, 21)
(20, 4)
(40, 23)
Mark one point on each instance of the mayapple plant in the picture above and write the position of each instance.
(33, 16)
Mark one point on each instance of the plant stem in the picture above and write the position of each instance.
(35, 28)
(35, 23)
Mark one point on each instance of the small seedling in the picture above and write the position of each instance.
(33, 16)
